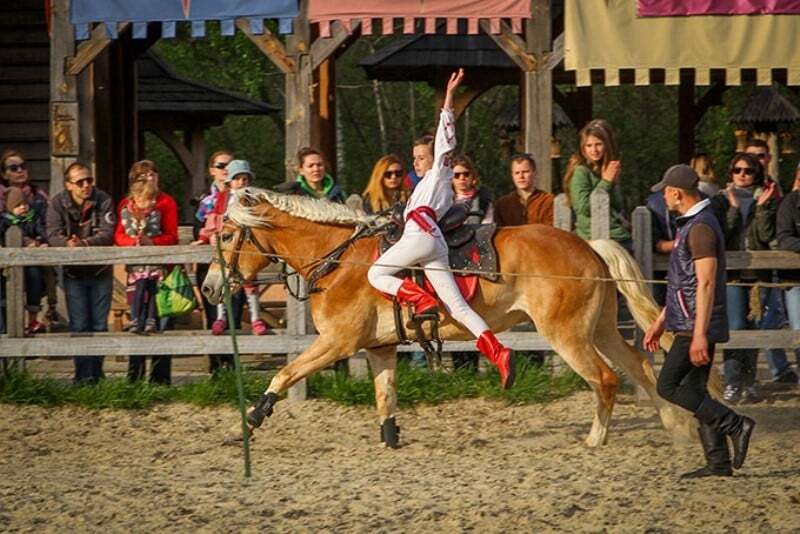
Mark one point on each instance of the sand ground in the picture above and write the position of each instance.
(471, 465)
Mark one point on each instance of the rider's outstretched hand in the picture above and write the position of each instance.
(452, 85)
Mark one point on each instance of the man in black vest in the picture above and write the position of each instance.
(695, 313)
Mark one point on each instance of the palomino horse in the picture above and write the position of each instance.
(551, 277)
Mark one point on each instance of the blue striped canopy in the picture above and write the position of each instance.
(84, 13)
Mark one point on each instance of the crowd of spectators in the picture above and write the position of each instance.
(751, 209)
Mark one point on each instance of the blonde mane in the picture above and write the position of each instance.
(310, 209)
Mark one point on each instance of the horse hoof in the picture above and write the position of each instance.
(262, 410)
(234, 435)
(390, 433)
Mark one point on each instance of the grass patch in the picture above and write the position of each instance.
(415, 385)
(533, 384)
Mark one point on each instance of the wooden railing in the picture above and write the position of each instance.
(297, 335)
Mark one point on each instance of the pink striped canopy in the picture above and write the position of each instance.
(324, 12)
(672, 8)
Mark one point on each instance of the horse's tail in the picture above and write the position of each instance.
(643, 307)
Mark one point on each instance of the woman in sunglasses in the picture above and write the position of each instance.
(15, 173)
(747, 210)
(385, 187)
(468, 191)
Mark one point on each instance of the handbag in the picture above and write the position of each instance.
(175, 294)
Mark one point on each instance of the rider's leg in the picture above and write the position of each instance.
(442, 280)
(413, 248)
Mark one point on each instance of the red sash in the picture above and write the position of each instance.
(416, 215)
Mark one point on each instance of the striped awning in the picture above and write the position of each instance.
(110, 13)
(386, 12)
(608, 36)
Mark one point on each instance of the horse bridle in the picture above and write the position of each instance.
(245, 234)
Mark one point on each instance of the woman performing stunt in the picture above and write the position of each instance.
(423, 244)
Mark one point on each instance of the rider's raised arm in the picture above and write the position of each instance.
(445, 138)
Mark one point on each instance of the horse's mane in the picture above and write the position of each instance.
(311, 209)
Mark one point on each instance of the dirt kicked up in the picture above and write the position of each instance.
(467, 465)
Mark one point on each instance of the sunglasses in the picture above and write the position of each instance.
(16, 167)
(83, 181)
(393, 174)
(220, 165)
(465, 174)
(749, 171)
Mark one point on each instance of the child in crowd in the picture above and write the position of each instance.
(140, 220)
(19, 213)
(239, 176)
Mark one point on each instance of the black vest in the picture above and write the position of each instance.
(682, 281)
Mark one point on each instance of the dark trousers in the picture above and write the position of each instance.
(160, 366)
(88, 304)
(238, 300)
(34, 287)
(143, 305)
(680, 382)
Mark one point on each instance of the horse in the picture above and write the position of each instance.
(562, 283)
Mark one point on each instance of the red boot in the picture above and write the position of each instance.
(424, 303)
(502, 357)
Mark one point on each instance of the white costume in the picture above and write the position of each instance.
(427, 248)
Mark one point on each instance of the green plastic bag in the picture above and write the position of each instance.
(175, 294)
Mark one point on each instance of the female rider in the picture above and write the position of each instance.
(423, 244)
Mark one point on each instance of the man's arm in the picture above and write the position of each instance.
(706, 272)
(103, 234)
(56, 232)
(787, 226)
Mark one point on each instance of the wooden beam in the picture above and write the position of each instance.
(512, 45)
(472, 91)
(62, 85)
(687, 120)
(557, 55)
(88, 50)
(323, 48)
(15, 288)
(178, 148)
(270, 45)
(192, 342)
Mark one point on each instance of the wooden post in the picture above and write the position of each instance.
(562, 213)
(15, 289)
(537, 88)
(63, 150)
(601, 214)
(357, 366)
(297, 324)
(643, 252)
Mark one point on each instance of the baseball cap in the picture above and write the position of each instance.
(681, 176)
(238, 166)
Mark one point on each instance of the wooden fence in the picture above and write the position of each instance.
(299, 333)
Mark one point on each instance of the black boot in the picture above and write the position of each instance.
(718, 457)
(737, 427)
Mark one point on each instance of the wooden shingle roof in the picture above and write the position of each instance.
(161, 91)
(766, 106)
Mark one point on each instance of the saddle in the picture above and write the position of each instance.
(470, 245)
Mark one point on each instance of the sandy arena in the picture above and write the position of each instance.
(471, 465)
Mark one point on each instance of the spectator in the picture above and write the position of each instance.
(596, 166)
(773, 311)
(760, 149)
(788, 233)
(217, 170)
(747, 210)
(83, 216)
(704, 168)
(467, 190)
(19, 213)
(238, 177)
(162, 230)
(385, 187)
(15, 173)
(526, 204)
(312, 180)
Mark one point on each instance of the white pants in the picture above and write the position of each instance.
(416, 247)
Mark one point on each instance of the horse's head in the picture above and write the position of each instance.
(244, 254)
